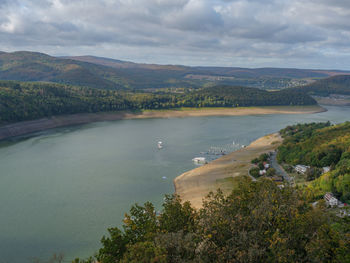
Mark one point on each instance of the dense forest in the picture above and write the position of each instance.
(320, 145)
(31, 100)
(257, 222)
(333, 85)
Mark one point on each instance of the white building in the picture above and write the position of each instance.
(301, 168)
(326, 169)
(330, 199)
(199, 160)
(266, 165)
(262, 172)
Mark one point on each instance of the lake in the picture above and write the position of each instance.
(61, 189)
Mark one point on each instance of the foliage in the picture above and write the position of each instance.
(26, 101)
(259, 162)
(271, 172)
(333, 85)
(257, 222)
(320, 145)
(264, 157)
(254, 172)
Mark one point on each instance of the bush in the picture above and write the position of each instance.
(254, 172)
(271, 172)
(264, 157)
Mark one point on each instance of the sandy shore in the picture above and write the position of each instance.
(27, 127)
(195, 184)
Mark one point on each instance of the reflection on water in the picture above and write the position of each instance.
(60, 190)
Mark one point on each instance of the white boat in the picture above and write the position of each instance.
(199, 160)
(160, 145)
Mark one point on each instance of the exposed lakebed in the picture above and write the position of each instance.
(61, 189)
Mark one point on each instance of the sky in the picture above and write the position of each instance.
(243, 33)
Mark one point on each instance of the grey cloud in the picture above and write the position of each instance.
(291, 33)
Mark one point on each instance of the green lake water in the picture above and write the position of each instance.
(61, 189)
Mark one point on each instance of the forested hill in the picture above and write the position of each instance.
(243, 96)
(236, 72)
(32, 100)
(32, 66)
(320, 145)
(333, 85)
(104, 73)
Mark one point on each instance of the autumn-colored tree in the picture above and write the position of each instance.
(257, 222)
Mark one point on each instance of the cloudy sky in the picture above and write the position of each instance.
(248, 33)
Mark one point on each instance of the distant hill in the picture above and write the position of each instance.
(31, 66)
(114, 63)
(333, 85)
(218, 71)
(105, 73)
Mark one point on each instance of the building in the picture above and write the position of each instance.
(262, 172)
(326, 169)
(266, 165)
(301, 168)
(199, 160)
(330, 199)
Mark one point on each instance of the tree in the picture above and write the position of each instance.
(271, 172)
(254, 172)
(257, 222)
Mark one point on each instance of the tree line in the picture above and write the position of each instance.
(32, 100)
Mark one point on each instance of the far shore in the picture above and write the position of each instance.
(196, 184)
(28, 127)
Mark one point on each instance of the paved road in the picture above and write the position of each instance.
(279, 169)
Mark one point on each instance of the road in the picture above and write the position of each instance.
(279, 169)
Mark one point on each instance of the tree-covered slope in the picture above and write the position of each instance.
(320, 145)
(25, 101)
(244, 96)
(237, 72)
(257, 222)
(107, 73)
(333, 85)
(31, 66)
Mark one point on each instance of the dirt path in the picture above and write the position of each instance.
(195, 184)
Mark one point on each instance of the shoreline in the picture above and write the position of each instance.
(32, 126)
(194, 185)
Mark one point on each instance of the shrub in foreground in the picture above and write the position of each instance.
(257, 222)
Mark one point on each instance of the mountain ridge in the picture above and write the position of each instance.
(107, 73)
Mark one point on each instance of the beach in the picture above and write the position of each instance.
(195, 184)
(32, 126)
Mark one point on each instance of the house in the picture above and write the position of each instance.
(262, 172)
(266, 165)
(326, 169)
(330, 199)
(301, 168)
